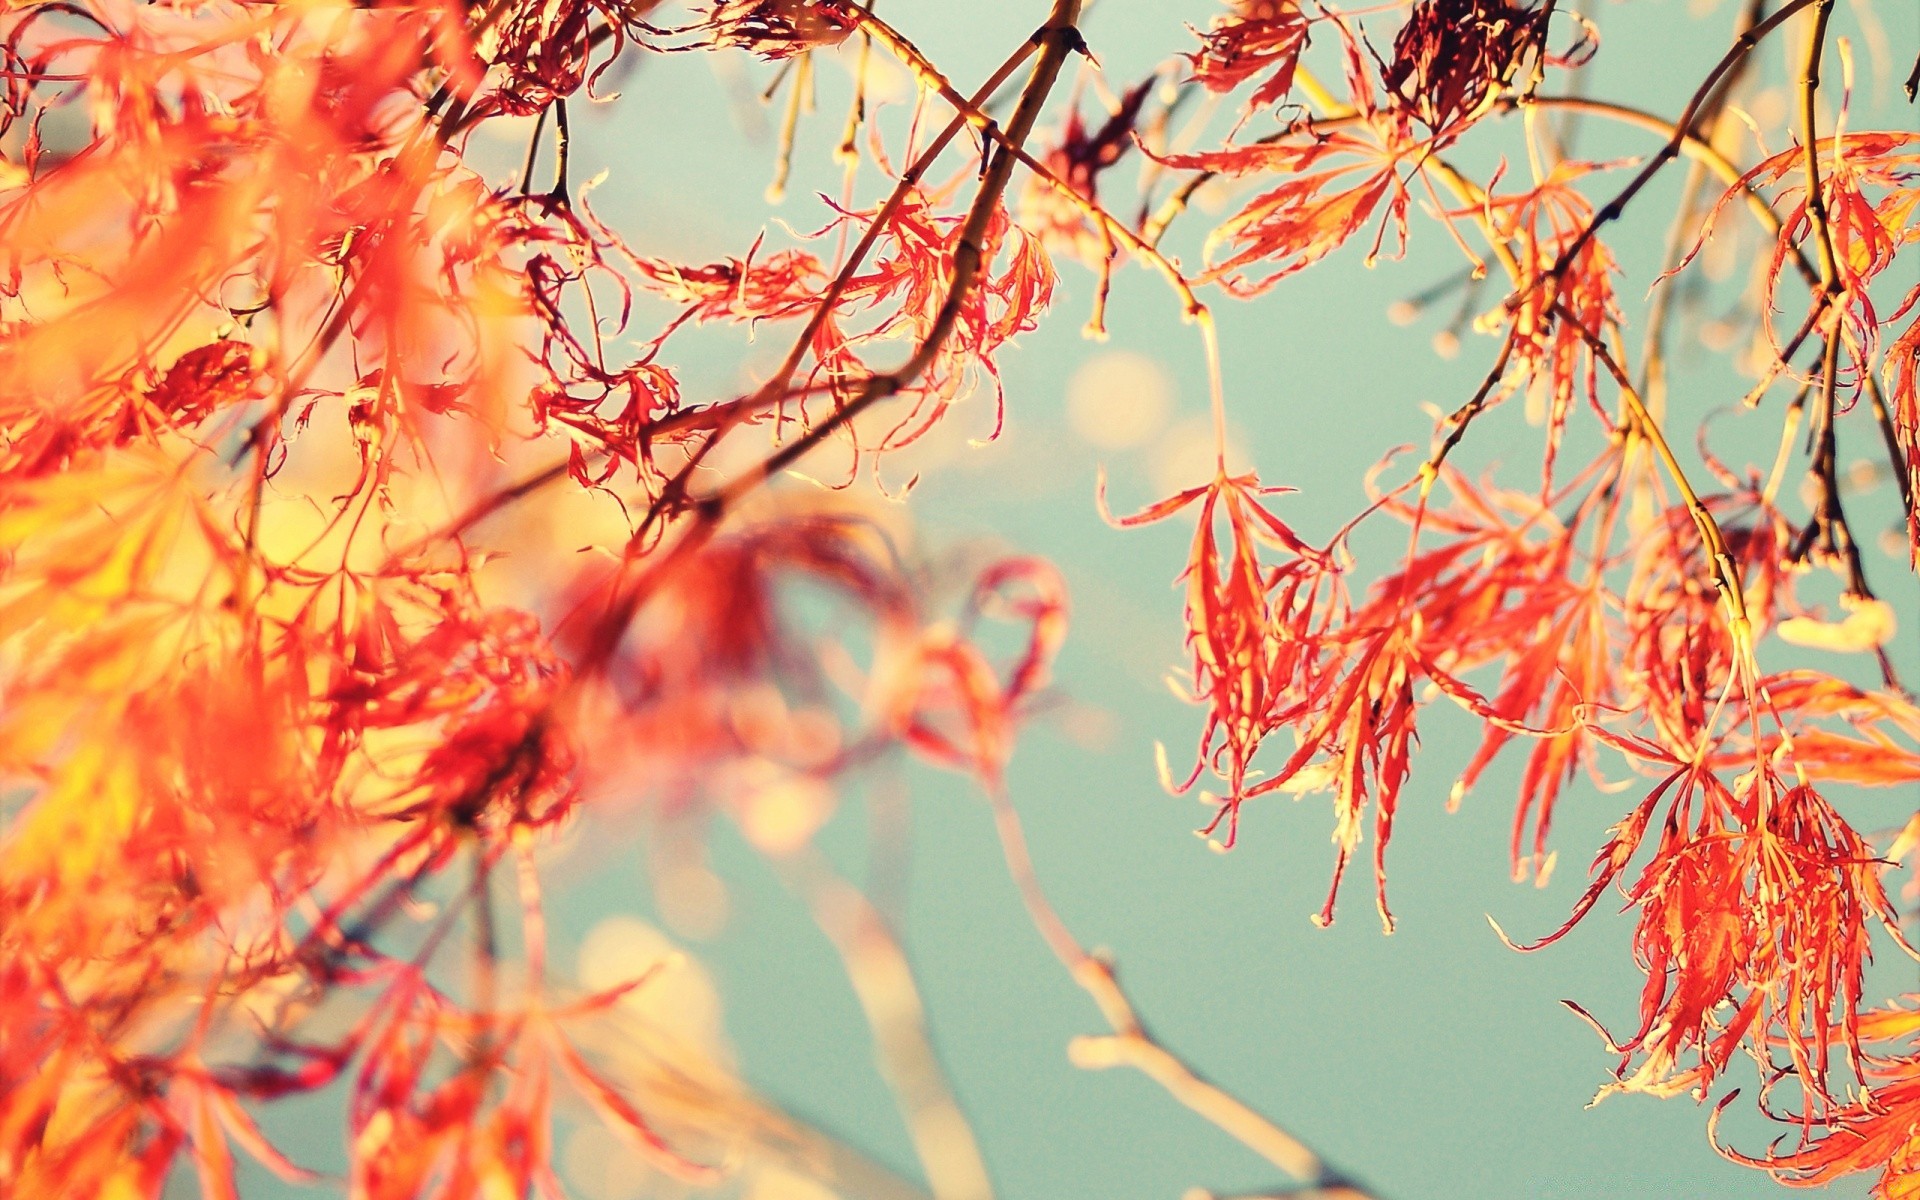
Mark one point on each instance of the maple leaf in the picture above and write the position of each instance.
(1252, 629)
(951, 703)
(1866, 233)
(1903, 387)
(1307, 217)
(907, 286)
(779, 29)
(1552, 320)
(1875, 1132)
(1841, 733)
(1257, 37)
(1452, 56)
(543, 52)
(417, 1131)
(1078, 160)
(1501, 590)
(1757, 896)
(784, 285)
(1676, 650)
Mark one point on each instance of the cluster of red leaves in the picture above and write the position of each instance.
(776, 29)
(162, 892)
(1257, 37)
(1872, 213)
(1451, 60)
(245, 745)
(717, 677)
(1079, 160)
(225, 188)
(1452, 56)
(163, 895)
(907, 286)
(1758, 894)
(1551, 323)
(1320, 205)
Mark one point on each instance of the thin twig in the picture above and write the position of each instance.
(1130, 1044)
(883, 981)
(1725, 572)
(1653, 356)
